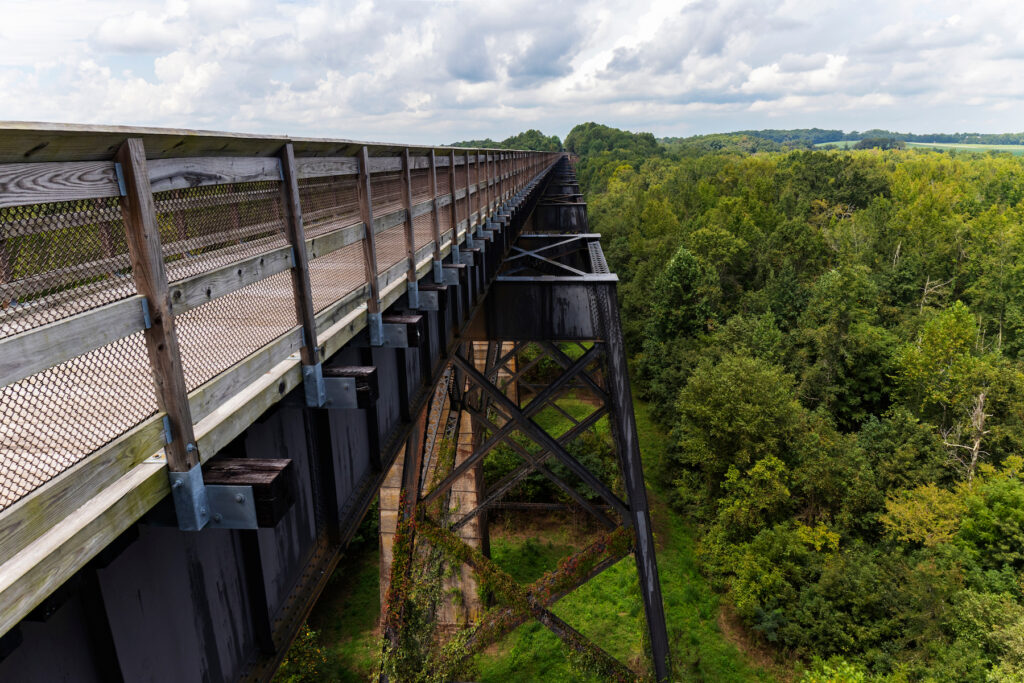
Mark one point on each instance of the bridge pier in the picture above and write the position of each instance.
(553, 292)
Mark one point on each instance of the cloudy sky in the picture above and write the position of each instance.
(433, 72)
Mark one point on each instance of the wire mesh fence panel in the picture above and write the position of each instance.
(328, 203)
(460, 176)
(59, 259)
(420, 185)
(390, 247)
(445, 217)
(443, 186)
(423, 229)
(55, 418)
(220, 333)
(387, 191)
(204, 228)
(334, 275)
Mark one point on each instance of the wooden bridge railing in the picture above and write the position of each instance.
(160, 289)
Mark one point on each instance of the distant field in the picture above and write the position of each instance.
(838, 143)
(962, 146)
(1012, 149)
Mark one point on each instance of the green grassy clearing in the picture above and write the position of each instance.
(959, 146)
(346, 618)
(967, 147)
(608, 609)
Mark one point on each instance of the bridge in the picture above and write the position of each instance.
(217, 350)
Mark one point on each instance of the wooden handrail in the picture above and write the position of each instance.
(119, 481)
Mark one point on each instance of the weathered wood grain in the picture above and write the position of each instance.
(410, 234)
(324, 244)
(389, 220)
(436, 222)
(41, 567)
(342, 307)
(143, 235)
(197, 290)
(422, 208)
(22, 184)
(317, 167)
(32, 516)
(369, 246)
(301, 289)
(175, 174)
(390, 164)
(43, 347)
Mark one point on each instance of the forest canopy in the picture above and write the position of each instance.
(836, 340)
(529, 139)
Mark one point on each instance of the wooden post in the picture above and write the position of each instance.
(453, 214)
(300, 266)
(412, 293)
(143, 235)
(501, 175)
(487, 181)
(438, 273)
(365, 192)
(480, 191)
(469, 207)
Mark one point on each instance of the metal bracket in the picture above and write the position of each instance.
(313, 385)
(428, 301)
(451, 277)
(190, 501)
(438, 272)
(341, 393)
(455, 252)
(394, 335)
(231, 507)
(412, 293)
(121, 187)
(467, 258)
(469, 240)
(374, 325)
(147, 319)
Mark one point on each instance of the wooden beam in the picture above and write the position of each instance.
(369, 245)
(469, 206)
(197, 290)
(143, 234)
(173, 174)
(436, 212)
(35, 350)
(272, 481)
(410, 234)
(318, 167)
(481, 190)
(38, 183)
(454, 212)
(301, 288)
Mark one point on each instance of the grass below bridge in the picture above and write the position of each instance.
(608, 609)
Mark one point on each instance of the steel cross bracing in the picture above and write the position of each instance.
(490, 389)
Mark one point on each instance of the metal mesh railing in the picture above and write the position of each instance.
(391, 247)
(55, 418)
(336, 274)
(64, 259)
(59, 259)
(328, 203)
(204, 228)
(218, 334)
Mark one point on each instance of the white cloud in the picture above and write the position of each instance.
(434, 72)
